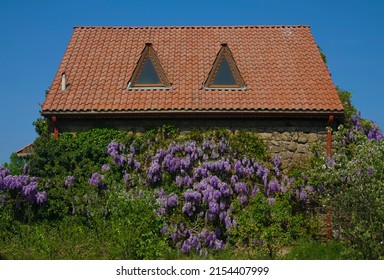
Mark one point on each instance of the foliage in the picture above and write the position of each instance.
(346, 100)
(308, 249)
(265, 228)
(323, 56)
(131, 232)
(16, 164)
(72, 154)
(353, 180)
(41, 127)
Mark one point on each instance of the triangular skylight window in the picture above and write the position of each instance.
(224, 73)
(148, 71)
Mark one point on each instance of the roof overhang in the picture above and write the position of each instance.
(195, 113)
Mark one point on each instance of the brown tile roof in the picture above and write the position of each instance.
(281, 67)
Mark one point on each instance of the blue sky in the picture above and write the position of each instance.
(34, 36)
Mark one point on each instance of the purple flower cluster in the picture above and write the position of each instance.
(166, 201)
(96, 179)
(116, 151)
(329, 162)
(21, 186)
(372, 131)
(190, 240)
(177, 159)
(69, 181)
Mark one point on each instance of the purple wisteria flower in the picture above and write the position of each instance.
(4, 172)
(255, 191)
(179, 181)
(127, 178)
(273, 187)
(164, 229)
(172, 200)
(243, 199)
(303, 196)
(96, 179)
(277, 163)
(41, 197)
(25, 169)
(105, 168)
(30, 189)
(154, 171)
(132, 149)
(192, 196)
(69, 181)
(370, 171)
(271, 200)
(329, 162)
(188, 209)
(222, 146)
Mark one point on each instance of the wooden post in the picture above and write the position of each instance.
(328, 221)
(329, 136)
(329, 142)
(55, 129)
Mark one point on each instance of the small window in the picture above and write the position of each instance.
(148, 71)
(224, 76)
(224, 72)
(148, 75)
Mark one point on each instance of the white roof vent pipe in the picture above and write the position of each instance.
(63, 81)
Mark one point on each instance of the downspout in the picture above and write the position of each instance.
(55, 129)
(328, 222)
(329, 136)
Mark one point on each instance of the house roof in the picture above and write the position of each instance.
(25, 151)
(281, 67)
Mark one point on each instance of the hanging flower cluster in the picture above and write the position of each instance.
(23, 188)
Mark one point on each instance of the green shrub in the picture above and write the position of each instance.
(353, 182)
(265, 228)
(123, 227)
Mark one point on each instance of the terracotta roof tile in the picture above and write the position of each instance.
(281, 66)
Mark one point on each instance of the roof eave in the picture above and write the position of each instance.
(196, 113)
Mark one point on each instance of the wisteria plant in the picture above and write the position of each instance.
(200, 187)
(20, 193)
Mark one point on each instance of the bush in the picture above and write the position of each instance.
(72, 154)
(353, 180)
(265, 228)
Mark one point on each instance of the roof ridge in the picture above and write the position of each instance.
(193, 27)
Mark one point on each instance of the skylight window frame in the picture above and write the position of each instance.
(148, 53)
(224, 53)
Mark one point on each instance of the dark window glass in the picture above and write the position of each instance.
(148, 75)
(224, 76)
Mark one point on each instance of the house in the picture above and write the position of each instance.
(25, 151)
(270, 79)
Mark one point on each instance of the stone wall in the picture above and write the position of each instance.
(289, 137)
(293, 147)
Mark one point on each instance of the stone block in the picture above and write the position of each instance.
(264, 135)
(302, 139)
(312, 137)
(303, 149)
(292, 147)
(275, 142)
(286, 136)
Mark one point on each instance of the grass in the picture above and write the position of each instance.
(316, 250)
